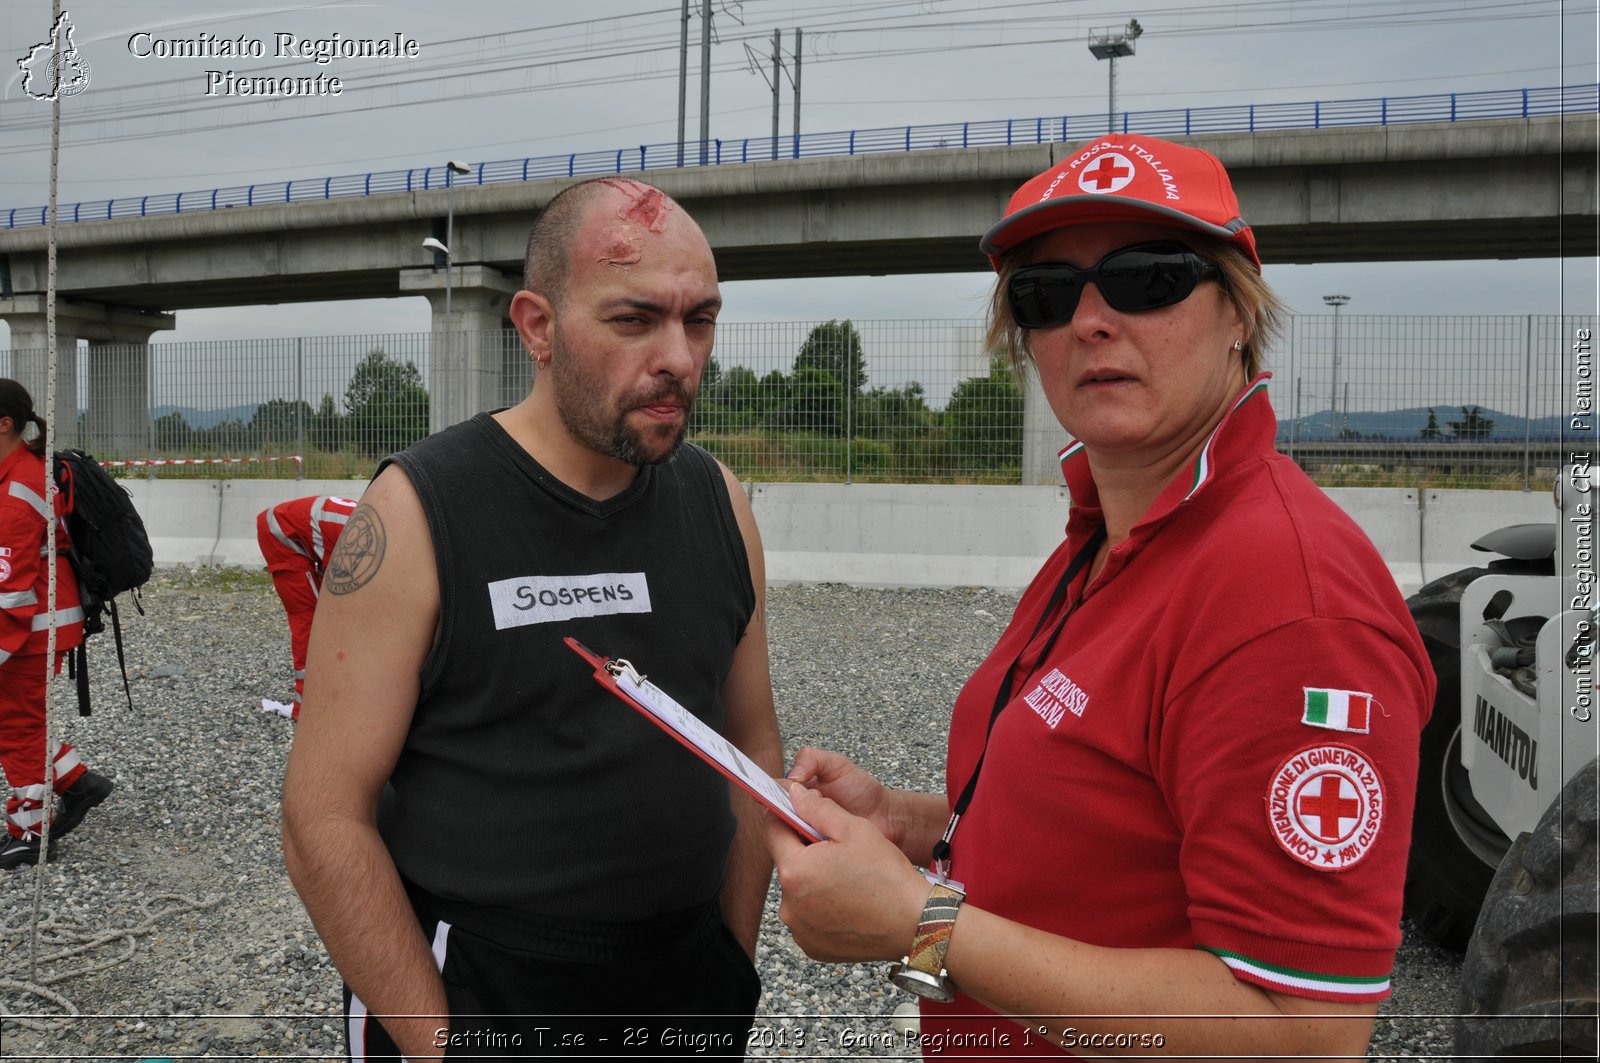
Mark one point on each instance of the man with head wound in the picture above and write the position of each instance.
(499, 855)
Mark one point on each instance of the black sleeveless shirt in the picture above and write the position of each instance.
(523, 783)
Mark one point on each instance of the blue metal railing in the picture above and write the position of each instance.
(1234, 118)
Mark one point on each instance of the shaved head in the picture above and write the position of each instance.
(547, 266)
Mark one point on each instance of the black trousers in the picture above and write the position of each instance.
(675, 987)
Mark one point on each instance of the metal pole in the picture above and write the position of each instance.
(150, 419)
(1111, 96)
(1294, 414)
(300, 405)
(1527, 407)
(1294, 425)
(849, 387)
(683, 76)
(1333, 386)
(450, 280)
(705, 81)
(797, 91)
(777, 73)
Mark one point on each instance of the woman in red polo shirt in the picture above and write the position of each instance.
(1178, 792)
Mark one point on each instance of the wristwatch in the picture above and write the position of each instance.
(922, 970)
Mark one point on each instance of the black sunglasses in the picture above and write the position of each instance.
(1138, 277)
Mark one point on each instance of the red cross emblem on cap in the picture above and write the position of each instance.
(1110, 173)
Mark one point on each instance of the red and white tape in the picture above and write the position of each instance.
(197, 461)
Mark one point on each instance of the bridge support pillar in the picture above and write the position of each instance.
(1042, 436)
(474, 363)
(117, 415)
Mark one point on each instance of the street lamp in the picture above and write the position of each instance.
(451, 168)
(1335, 301)
(1110, 44)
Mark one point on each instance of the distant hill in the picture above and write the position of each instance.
(209, 418)
(1406, 425)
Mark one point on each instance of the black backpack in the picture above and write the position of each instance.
(110, 554)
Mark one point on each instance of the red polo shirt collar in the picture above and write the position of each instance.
(1247, 431)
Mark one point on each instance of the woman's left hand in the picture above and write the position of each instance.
(853, 897)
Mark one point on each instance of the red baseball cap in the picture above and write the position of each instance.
(1125, 178)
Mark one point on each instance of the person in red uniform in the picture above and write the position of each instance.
(297, 538)
(24, 643)
(1179, 790)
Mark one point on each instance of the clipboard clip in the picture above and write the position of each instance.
(618, 666)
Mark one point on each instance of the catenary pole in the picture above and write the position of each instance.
(777, 79)
(683, 76)
(797, 91)
(705, 81)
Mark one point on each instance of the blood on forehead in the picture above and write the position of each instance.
(647, 206)
(619, 246)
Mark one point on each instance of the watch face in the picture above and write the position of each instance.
(922, 984)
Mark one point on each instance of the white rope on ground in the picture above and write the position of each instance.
(72, 940)
(57, 32)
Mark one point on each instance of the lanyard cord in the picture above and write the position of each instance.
(941, 848)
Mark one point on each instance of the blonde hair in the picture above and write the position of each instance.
(1258, 306)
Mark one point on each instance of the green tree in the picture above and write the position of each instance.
(814, 402)
(1473, 424)
(771, 400)
(386, 404)
(172, 432)
(326, 430)
(985, 420)
(835, 348)
(892, 412)
(281, 420)
(1430, 432)
(711, 376)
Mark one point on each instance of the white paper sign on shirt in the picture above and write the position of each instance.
(544, 599)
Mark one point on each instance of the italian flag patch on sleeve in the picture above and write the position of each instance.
(1338, 710)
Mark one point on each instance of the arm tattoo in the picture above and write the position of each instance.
(358, 554)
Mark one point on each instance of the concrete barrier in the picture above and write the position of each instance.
(888, 535)
(1451, 520)
(1389, 517)
(907, 535)
(213, 522)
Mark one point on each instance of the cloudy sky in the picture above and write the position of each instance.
(496, 80)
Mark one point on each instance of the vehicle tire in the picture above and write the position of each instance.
(1455, 845)
(1528, 985)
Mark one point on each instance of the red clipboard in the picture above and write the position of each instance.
(657, 706)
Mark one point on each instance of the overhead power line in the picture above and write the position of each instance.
(642, 42)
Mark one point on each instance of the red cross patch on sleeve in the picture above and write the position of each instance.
(1325, 806)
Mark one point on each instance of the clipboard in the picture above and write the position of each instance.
(654, 704)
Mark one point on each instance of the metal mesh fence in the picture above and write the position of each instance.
(1361, 400)
(1426, 401)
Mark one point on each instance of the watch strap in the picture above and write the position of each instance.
(933, 932)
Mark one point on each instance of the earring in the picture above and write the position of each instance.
(1238, 345)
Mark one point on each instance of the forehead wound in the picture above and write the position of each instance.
(642, 204)
(618, 245)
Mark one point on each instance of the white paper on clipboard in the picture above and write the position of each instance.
(713, 747)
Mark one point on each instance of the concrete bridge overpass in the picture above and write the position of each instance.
(1507, 188)
(1500, 188)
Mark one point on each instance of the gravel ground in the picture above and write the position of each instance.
(169, 928)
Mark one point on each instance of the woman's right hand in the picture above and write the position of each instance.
(852, 788)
